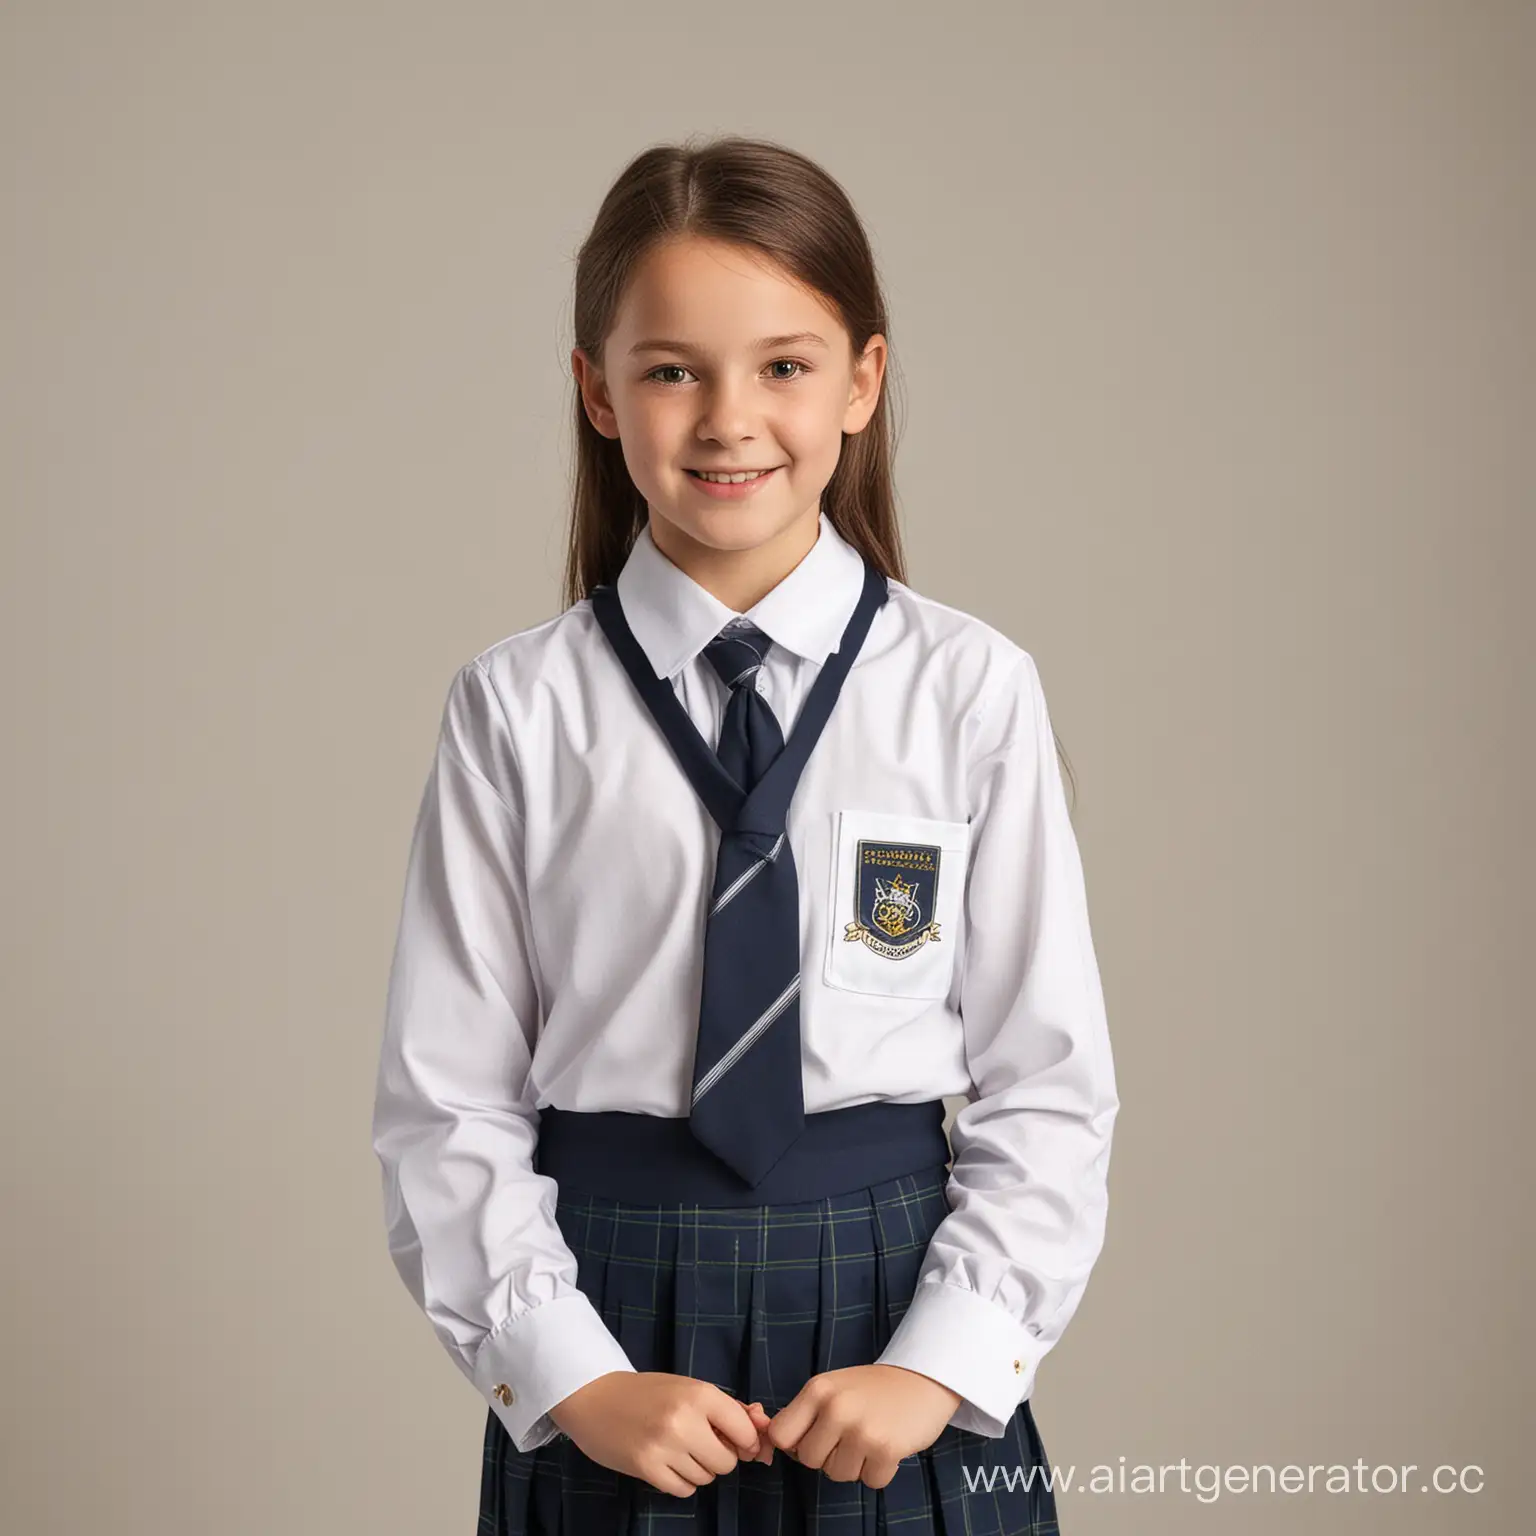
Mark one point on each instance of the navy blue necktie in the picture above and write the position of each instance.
(747, 1104)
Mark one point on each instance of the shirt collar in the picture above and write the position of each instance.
(674, 618)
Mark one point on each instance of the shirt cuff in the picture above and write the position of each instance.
(535, 1360)
(973, 1347)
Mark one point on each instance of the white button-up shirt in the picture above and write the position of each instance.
(550, 952)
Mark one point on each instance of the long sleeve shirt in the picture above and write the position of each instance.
(549, 952)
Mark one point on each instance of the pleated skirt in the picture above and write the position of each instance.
(757, 1300)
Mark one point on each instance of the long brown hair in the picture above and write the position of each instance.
(753, 193)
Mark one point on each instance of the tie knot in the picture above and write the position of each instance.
(737, 652)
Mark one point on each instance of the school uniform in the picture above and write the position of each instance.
(705, 914)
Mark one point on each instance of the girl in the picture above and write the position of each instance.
(722, 879)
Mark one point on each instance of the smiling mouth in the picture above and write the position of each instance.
(731, 474)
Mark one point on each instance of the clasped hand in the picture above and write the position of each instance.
(678, 1433)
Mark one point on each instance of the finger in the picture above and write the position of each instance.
(753, 1451)
(818, 1442)
(690, 1471)
(733, 1422)
(760, 1422)
(712, 1450)
(793, 1419)
(878, 1473)
(761, 1419)
(667, 1481)
(844, 1463)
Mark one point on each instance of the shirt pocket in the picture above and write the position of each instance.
(898, 885)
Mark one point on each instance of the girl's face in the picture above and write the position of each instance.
(718, 360)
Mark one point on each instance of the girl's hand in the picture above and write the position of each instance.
(675, 1432)
(856, 1424)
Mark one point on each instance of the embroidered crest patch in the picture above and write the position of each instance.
(895, 889)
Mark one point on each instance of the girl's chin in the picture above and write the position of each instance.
(725, 526)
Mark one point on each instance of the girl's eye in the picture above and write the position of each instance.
(781, 378)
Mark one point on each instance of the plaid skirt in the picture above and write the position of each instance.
(757, 1300)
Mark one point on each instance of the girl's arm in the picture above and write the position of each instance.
(471, 1226)
(1007, 1267)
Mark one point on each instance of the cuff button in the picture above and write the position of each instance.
(504, 1392)
(1017, 1368)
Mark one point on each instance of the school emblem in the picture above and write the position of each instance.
(895, 886)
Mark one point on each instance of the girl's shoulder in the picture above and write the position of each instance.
(538, 650)
(513, 684)
(954, 636)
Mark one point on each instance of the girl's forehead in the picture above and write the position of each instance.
(705, 291)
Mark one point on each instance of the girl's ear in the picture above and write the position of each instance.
(864, 392)
(594, 393)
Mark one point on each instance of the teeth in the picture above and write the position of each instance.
(731, 479)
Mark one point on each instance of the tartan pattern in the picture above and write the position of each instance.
(757, 1299)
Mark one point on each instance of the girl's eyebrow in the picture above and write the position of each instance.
(799, 338)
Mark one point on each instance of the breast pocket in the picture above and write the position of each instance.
(898, 886)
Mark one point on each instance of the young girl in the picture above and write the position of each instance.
(722, 879)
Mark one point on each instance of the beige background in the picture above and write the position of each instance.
(1215, 329)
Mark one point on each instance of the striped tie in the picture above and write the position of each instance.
(748, 1105)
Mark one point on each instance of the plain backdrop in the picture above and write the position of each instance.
(1213, 338)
